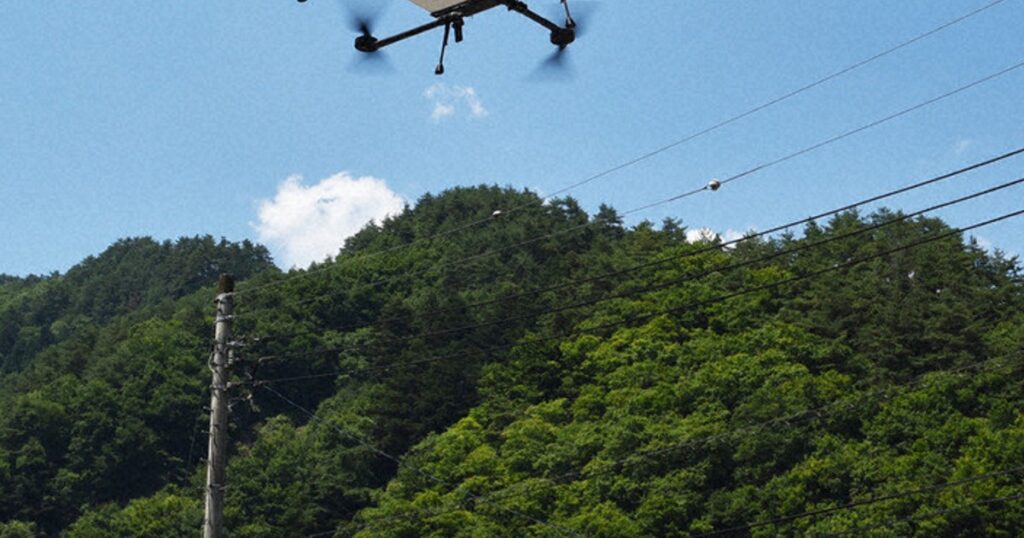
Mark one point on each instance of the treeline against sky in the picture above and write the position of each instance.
(545, 373)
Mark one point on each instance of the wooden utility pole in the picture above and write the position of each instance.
(213, 519)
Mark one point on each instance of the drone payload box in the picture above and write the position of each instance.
(435, 6)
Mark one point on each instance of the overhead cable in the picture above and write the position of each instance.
(702, 274)
(927, 515)
(878, 122)
(779, 99)
(933, 488)
(698, 251)
(750, 171)
(398, 461)
(788, 421)
(640, 317)
(716, 269)
(658, 151)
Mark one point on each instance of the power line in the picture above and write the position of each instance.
(933, 488)
(196, 429)
(806, 414)
(650, 315)
(775, 424)
(701, 250)
(781, 98)
(817, 412)
(821, 272)
(734, 177)
(926, 516)
(713, 270)
(691, 305)
(745, 173)
(398, 461)
(663, 149)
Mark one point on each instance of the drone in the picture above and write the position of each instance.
(452, 14)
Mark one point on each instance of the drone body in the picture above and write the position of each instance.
(451, 15)
(439, 6)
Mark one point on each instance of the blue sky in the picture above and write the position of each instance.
(245, 120)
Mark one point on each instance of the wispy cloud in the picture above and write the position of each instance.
(694, 235)
(991, 248)
(442, 111)
(304, 224)
(962, 146)
(984, 242)
(448, 100)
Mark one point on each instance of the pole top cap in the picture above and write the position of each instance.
(226, 284)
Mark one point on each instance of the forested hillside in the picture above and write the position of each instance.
(542, 372)
(103, 376)
(131, 277)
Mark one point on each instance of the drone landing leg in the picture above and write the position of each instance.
(439, 70)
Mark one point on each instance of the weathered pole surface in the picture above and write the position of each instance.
(213, 519)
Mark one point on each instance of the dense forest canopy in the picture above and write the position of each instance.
(545, 373)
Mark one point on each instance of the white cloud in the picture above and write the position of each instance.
(962, 146)
(732, 235)
(304, 224)
(442, 111)
(984, 243)
(449, 99)
(694, 235)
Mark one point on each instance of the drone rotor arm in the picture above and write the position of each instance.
(560, 36)
(384, 42)
(522, 8)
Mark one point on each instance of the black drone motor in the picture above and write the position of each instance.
(563, 37)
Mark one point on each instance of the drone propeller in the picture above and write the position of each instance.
(362, 25)
(557, 66)
(362, 17)
(577, 22)
(371, 63)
